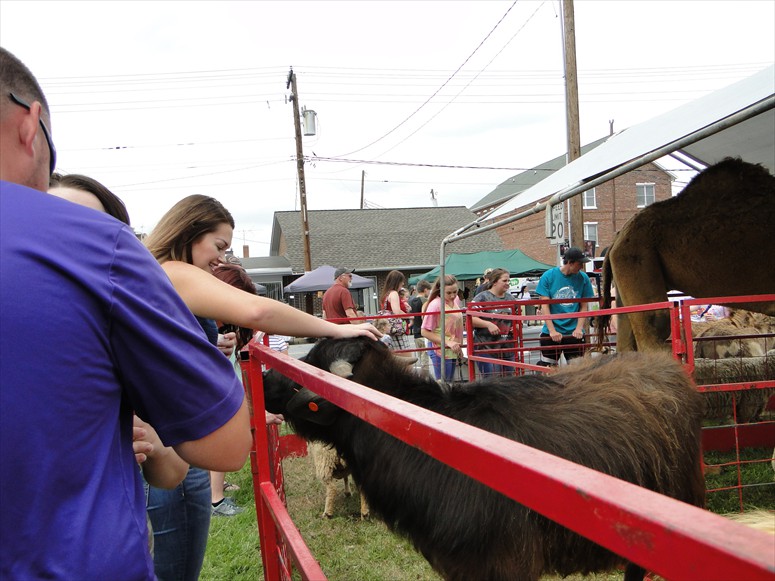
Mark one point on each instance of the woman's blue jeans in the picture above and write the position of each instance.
(181, 523)
(449, 366)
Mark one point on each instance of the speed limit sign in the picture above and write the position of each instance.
(555, 223)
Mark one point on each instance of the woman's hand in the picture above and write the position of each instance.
(454, 345)
(140, 444)
(273, 419)
(161, 465)
(362, 330)
(227, 343)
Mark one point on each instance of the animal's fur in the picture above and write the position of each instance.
(728, 343)
(635, 416)
(749, 403)
(732, 359)
(761, 520)
(739, 323)
(329, 467)
(742, 318)
(708, 241)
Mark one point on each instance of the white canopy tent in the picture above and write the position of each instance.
(738, 120)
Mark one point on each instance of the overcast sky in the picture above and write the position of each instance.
(159, 100)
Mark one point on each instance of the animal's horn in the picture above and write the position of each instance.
(341, 368)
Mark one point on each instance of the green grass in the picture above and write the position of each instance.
(347, 547)
(233, 548)
(350, 549)
(757, 477)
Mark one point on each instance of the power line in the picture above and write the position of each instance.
(440, 88)
(432, 117)
(381, 74)
(193, 176)
(163, 145)
(264, 91)
(409, 164)
(436, 165)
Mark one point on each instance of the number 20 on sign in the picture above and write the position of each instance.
(555, 224)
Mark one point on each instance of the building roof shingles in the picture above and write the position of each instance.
(377, 239)
(522, 181)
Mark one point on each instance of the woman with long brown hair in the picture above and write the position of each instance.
(496, 291)
(190, 243)
(453, 326)
(390, 302)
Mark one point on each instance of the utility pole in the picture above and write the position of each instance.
(300, 169)
(576, 213)
(363, 177)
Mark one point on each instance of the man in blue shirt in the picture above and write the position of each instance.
(568, 281)
(92, 331)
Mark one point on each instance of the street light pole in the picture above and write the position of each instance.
(300, 169)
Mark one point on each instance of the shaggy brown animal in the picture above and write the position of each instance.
(634, 416)
(748, 404)
(728, 341)
(742, 318)
(755, 326)
(329, 467)
(737, 355)
(708, 241)
(761, 520)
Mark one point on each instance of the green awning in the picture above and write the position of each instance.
(471, 266)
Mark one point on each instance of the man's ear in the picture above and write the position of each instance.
(28, 126)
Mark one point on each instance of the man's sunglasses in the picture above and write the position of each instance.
(51, 149)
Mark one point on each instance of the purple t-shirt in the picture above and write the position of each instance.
(92, 329)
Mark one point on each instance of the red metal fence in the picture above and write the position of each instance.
(734, 434)
(637, 524)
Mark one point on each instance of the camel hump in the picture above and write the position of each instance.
(731, 178)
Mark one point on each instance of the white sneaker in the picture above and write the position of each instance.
(227, 509)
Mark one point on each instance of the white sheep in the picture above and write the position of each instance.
(329, 466)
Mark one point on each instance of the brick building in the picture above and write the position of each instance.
(606, 208)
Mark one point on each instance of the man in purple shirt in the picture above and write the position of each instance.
(92, 331)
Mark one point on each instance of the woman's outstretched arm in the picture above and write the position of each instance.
(211, 298)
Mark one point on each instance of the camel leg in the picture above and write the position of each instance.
(651, 329)
(639, 281)
(625, 340)
(644, 331)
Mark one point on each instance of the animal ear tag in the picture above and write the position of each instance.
(307, 405)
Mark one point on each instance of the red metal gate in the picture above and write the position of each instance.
(638, 524)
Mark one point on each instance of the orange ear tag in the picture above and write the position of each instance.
(312, 406)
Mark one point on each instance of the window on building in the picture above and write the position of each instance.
(590, 231)
(590, 201)
(645, 194)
